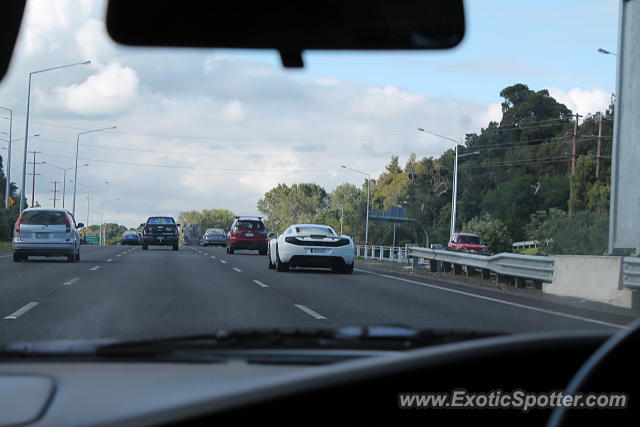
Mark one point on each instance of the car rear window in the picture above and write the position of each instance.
(250, 225)
(43, 218)
(161, 220)
(131, 233)
(314, 230)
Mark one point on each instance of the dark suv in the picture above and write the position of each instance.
(247, 233)
(160, 231)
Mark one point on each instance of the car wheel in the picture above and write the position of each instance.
(71, 258)
(348, 269)
(78, 255)
(231, 250)
(280, 266)
(17, 257)
(145, 247)
(272, 266)
(175, 247)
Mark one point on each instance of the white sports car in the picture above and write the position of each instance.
(311, 245)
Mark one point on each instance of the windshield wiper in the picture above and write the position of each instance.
(266, 346)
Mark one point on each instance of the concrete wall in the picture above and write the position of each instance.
(595, 278)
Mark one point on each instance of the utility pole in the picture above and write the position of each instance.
(33, 177)
(599, 145)
(574, 145)
(55, 192)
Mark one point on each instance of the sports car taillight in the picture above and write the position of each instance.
(18, 222)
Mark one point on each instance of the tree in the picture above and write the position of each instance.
(584, 233)
(217, 218)
(492, 231)
(285, 205)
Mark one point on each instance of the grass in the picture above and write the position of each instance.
(5, 245)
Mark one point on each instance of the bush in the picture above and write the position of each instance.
(492, 231)
(584, 233)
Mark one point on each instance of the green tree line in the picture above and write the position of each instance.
(519, 187)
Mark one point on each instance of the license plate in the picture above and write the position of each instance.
(249, 234)
(42, 235)
(318, 251)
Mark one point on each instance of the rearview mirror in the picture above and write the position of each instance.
(289, 26)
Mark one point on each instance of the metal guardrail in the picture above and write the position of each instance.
(631, 272)
(539, 268)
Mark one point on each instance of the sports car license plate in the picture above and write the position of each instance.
(42, 235)
(318, 251)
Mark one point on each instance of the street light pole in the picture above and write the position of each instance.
(366, 229)
(75, 176)
(26, 128)
(8, 177)
(64, 180)
(454, 196)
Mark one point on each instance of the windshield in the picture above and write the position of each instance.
(475, 240)
(507, 137)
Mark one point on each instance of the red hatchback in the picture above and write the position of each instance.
(467, 242)
(247, 233)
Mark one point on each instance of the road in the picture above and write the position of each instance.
(127, 293)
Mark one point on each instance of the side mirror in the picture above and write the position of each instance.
(80, 225)
(178, 225)
(271, 236)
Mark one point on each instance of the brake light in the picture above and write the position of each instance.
(18, 222)
(234, 234)
(68, 224)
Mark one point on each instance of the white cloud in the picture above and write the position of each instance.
(234, 111)
(582, 101)
(113, 89)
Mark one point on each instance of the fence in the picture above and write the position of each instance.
(509, 268)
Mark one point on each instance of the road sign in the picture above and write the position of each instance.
(91, 238)
(394, 214)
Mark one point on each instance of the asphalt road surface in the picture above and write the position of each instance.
(127, 293)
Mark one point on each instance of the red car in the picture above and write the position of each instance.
(247, 233)
(467, 242)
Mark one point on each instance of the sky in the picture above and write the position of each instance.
(203, 129)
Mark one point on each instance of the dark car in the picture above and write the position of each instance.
(131, 237)
(247, 233)
(160, 231)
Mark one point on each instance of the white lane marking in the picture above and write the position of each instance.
(223, 261)
(118, 255)
(75, 279)
(512, 304)
(310, 312)
(204, 254)
(5, 256)
(124, 253)
(94, 268)
(110, 259)
(213, 257)
(21, 311)
(258, 282)
(237, 269)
